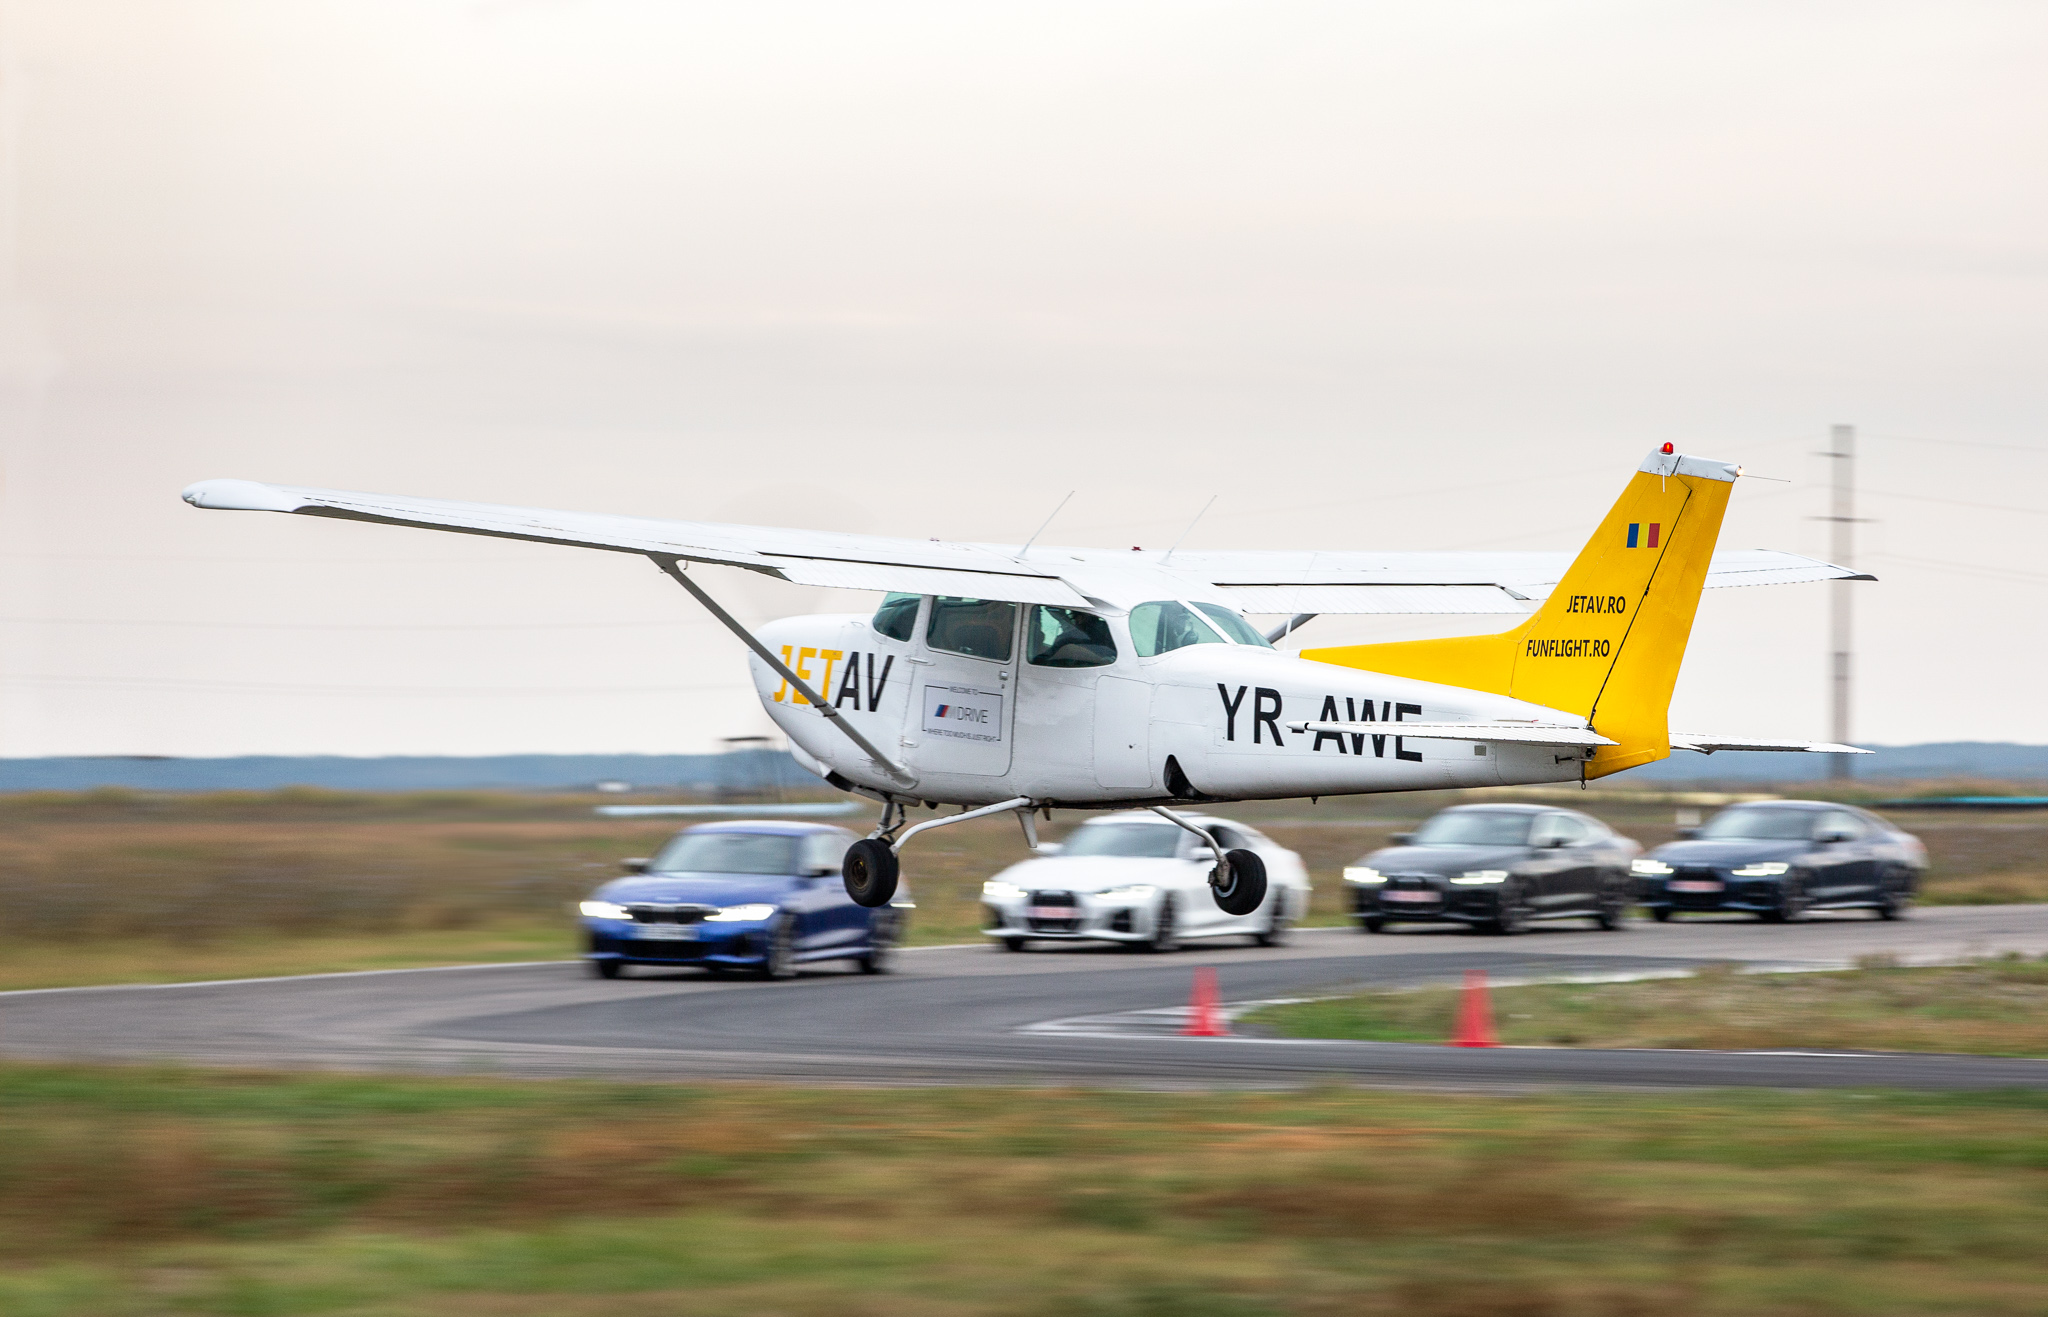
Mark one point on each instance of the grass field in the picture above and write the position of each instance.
(114, 886)
(1993, 1008)
(129, 1192)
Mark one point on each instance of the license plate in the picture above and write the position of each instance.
(1053, 912)
(666, 932)
(1696, 885)
(1415, 898)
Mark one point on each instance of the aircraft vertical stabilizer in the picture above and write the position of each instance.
(1608, 642)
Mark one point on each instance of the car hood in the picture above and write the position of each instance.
(1444, 859)
(1093, 873)
(1734, 850)
(698, 888)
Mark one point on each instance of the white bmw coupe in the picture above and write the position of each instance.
(1142, 881)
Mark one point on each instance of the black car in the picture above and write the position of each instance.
(1495, 867)
(1781, 858)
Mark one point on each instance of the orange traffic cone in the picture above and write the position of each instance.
(1205, 1016)
(1475, 1014)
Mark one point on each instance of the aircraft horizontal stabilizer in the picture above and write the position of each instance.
(1502, 733)
(1706, 745)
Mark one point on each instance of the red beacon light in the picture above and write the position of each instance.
(1669, 449)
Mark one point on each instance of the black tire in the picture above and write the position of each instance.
(778, 960)
(1278, 925)
(1661, 913)
(1512, 916)
(1792, 901)
(1372, 924)
(1244, 887)
(883, 934)
(1013, 944)
(870, 872)
(1896, 898)
(604, 969)
(1165, 929)
(1613, 913)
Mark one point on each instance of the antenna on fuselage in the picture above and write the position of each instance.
(1043, 524)
(1191, 525)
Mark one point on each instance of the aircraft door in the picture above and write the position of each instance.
(962, 717)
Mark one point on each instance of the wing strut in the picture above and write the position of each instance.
(798, 684)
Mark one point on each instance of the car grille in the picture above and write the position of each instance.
(1053, 900)
(634, 948)
(1698, 900)
(644, 912)
(1398, 892)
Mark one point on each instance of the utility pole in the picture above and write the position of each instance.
(1842, 516)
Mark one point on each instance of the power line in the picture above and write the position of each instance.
(1961, 443)
(1973, 569)
(1960, 503)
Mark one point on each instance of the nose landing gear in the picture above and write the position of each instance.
(870, 867)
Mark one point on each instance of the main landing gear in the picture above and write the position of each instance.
(1238, 881)
(870, 869)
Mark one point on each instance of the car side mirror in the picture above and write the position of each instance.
(1553, 843)
(1687, 834)
(638, 864)
(1833, 835)
(1402, 838)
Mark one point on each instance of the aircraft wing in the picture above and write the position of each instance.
(1707, 744)
(1252, 581)
(808, 557)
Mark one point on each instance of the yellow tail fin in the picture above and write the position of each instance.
(1608, 641)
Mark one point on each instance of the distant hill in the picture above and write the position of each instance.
(739, 770)
(753, 770)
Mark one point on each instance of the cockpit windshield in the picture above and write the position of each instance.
(1165, 625)
(1234, 626)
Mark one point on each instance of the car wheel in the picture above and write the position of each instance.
(1512, 916)
(1278, 925)
(1791, 901)
(1013, 944)
(880, 957)
(603, 969)
(1372, 924)
(1896, 900)
(778, 961)
(1243, 887)
(1165, 928)
(869, 871)
(1613, 913)
(1661, 913)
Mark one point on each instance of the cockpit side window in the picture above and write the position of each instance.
(1233, 625)
(1068, 638)
(1165, 625)
(978, 628)
(897, 617)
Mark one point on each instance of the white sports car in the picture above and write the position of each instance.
(1137, 879)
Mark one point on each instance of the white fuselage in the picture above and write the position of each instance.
(974, 731)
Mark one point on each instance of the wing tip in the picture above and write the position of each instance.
(240, 496)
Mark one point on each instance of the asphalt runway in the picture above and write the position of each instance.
(979, 1015)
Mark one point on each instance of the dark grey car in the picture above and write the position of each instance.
(1496, 868)
(1781, 858)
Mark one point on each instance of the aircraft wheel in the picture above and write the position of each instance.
(1244, 887)
(1165, 928)
(870, 872)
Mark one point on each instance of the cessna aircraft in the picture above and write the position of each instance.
(1000, 679)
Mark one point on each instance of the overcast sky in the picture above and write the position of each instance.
(1380, 275)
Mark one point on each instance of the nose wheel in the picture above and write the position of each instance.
(1241, 889)
(870, 872)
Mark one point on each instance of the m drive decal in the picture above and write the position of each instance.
(963, 713)
(1641, 536)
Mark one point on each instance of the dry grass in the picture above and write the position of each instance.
(141, 1192)
(1992, 1008)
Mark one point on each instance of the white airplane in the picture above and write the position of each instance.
(1020, 679)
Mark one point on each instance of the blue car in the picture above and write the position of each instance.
(1779, 859)
(759, 896)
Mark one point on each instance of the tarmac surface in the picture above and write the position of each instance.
(978, 1015)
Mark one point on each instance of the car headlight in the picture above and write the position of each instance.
(603, 910)
(994, 890)
(1770, 870)
(739, 914)
(1363, 876)
(1648, 868)
(1481, 876)
(1135, 892)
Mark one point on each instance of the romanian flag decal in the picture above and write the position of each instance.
(1636, 538)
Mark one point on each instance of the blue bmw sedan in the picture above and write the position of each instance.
(1779, 859)
(759, 896)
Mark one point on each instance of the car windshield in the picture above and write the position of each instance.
(1761, 824)
(1150, 840)
(1474, 827)
(726, 852)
